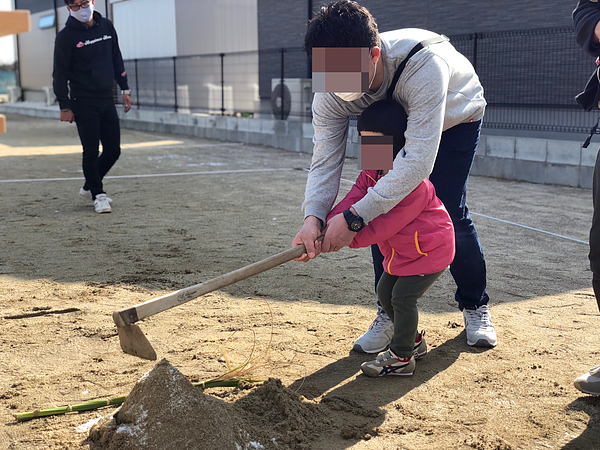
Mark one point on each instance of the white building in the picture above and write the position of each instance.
(160, 41)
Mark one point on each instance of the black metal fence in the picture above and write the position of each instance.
(530, 78)
(216, 83)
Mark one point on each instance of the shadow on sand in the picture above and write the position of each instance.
(590, 438)
(340, 386)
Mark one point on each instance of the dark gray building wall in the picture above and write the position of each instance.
(462, 16)
(282, 23)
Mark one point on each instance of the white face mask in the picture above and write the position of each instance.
(351, 96)
(84, 14)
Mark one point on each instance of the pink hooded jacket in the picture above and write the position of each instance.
(416, 237)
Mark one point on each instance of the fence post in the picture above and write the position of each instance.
(222, 55)
(475, 51)
(282, 85)
(175, 81)
(137, 86)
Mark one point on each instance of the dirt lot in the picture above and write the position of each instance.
(300, 320)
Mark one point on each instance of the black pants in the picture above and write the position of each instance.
(97, 121)
(595, 233)
(449, 177)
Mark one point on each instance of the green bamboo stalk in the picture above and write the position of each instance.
(86, 406)
(95, 404)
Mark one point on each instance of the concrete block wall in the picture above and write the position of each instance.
(545, 161)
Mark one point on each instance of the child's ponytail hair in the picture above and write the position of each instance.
(387, 117)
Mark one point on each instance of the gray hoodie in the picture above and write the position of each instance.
(438, 89)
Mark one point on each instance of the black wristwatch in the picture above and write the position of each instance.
(355, 223)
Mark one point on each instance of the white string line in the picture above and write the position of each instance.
(272, 170)
(515, 224)
(529, 228)
(150, 175)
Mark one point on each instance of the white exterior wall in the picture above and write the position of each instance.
(216, 26)
(163, 28)
(36, 53)
(167, 28)
(146, 28)
(212, 27)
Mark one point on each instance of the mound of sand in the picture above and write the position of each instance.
(293, 421)
(165, 411)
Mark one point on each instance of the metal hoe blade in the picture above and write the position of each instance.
(134, 342)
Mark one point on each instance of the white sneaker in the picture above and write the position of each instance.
(480, 331)
(377, 337)
(589, 382)
(84, 193)
(101, 204)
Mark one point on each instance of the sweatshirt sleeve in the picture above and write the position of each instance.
(585, 18)
(60, 73)
(424, 88)
(387, 225)
(119, 66)
(330, 134)
(357, 192)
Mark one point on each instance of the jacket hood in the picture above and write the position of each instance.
(74, 23)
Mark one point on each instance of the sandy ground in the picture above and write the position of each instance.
(64, 269)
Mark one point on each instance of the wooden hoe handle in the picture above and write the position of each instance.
(132, 314)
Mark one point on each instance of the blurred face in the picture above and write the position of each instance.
(376, 151)
(348, 71)
(77, 5)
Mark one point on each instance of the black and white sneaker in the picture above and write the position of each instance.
(388, 363)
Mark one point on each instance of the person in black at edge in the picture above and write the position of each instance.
(88, 59)
(586, 19)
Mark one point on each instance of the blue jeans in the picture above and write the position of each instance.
(450, 174)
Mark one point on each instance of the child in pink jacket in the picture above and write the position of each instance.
(416, 238)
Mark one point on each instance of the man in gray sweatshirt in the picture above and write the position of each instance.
(443, 97)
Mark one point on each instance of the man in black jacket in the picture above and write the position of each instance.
(586, 19)
(87, 59)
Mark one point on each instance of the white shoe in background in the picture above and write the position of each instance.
(101, 204)
(85, 194)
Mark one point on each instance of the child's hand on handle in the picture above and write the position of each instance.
(308, 235)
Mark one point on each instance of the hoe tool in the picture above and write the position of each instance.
(131, 337)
